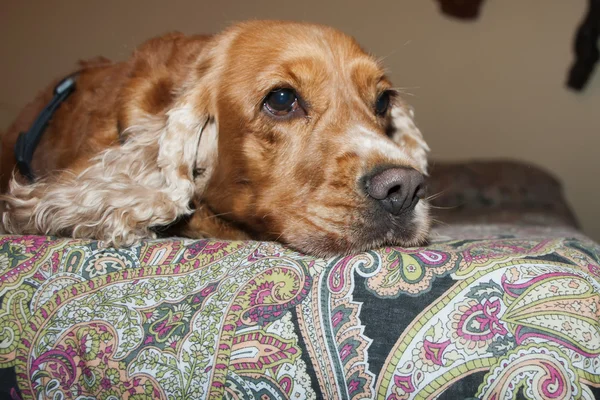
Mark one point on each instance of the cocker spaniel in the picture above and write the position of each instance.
(269, 130)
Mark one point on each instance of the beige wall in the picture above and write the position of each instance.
(492, 88)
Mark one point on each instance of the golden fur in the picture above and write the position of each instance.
(176, 137)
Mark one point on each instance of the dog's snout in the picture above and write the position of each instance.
(397, 189)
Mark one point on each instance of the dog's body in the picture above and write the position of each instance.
(270, 130)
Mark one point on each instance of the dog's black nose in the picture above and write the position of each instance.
(398, 190)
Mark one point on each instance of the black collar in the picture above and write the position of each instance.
(28, 141)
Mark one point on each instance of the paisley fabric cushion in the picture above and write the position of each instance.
(485, 311)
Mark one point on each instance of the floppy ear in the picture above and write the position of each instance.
(198, 152)
(404, 132)
(148, 181)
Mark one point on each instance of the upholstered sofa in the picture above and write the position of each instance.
(504, 303)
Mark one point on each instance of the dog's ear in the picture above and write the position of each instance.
(187, 152)
(147, 181)
(404, 131)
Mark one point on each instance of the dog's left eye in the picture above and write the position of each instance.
(281, 102)
(382, 104)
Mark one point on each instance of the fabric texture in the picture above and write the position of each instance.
(508, 312)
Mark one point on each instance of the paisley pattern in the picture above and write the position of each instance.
(486, 313)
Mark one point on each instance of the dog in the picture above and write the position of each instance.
(270, 130)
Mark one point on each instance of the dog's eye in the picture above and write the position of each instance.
(382, 104)
(281, 102)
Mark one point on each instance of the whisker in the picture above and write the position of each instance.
(281, 233)
(435, 195)
(277, 238)
(267, 214)
(438, 222)
(405, 90)
(406, 87)
(380, 59)
(444, 208)
(217, 215)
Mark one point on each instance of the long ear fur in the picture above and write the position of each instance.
(406, 134)
(146, 182)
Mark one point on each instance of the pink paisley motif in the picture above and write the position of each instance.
(353, 386)
(62, 361)
(208, 250)
(434, 351)
(496, 249)
(551, 303)
(403, 382)
(543, 372)
(265, 301)
(336, 276)
(159, 253)
(37, 249)
(489, 324)
(271, 351)
(286, 384)
(208, 290)
(594, 269)
(394, 264)
(553, 387)
(31, 243)
(346, 351)
(522, 334)
(337, 318)
(263, 292)
(431, 257)
(214, 247)
(515, 289)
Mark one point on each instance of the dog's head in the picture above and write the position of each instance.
(306, 142)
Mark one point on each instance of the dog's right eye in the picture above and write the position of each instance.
(382, 104)
(281, 102)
